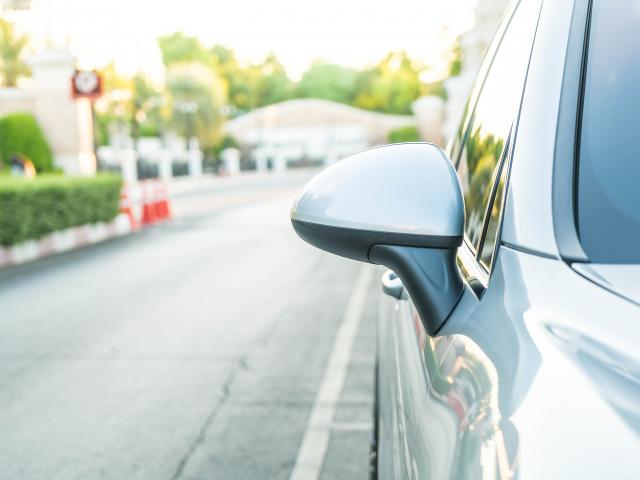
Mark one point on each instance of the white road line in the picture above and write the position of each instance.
(314, 444)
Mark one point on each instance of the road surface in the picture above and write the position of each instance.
(206, 348)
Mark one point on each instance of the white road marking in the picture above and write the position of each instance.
(313, 448)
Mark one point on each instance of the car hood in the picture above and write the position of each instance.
(621, 279)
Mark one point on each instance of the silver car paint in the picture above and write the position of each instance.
(528, 221)
(536, 373)
(539, 378)
(623, 279)
(404, 188)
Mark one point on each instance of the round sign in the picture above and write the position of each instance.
(86, 82)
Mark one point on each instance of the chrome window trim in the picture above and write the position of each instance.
(455, 147)
(528, 216)
(472, 271)
(478, 270)
(567, 139)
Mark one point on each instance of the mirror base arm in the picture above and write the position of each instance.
(431, 277)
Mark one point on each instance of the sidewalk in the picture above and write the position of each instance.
(64, 241)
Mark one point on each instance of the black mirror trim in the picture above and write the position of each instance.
(356, 244)
(431, 277)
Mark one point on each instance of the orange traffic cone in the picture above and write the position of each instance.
(148, 205)
(157, 206)
(167, 201)
(125, 207)
(163, 207)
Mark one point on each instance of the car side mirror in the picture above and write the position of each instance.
(400, 206)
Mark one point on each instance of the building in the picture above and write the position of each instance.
(310, 131)
(67, 123)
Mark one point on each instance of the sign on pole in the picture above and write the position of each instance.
(86, 84)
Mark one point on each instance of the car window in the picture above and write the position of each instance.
(458, 138)
(494, 215)
(609, 163)
(493, 116)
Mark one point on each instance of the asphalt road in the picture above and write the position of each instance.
(191, 350)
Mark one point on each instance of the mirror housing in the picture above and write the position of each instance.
(400, 206)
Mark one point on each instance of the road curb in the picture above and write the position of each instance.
(64, 241)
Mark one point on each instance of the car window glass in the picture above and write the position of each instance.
(609, 164)
(492, 118)
(493, 222)
(456, 143)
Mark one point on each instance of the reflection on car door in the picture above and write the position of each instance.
(445, 389)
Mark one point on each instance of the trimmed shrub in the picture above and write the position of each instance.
(30, 209)
(21, 134)
(404, 134)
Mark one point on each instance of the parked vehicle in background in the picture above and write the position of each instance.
(508, 340)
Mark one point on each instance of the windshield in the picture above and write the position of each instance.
(609, 166)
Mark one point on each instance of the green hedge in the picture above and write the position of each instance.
(30, 209)
(21, 134)
(404, 134)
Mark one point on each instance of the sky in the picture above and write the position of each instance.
(347, 32)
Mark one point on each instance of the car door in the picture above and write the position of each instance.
(441, 399)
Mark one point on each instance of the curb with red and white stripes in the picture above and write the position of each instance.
(65, 240)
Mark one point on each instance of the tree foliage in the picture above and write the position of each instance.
(391, 86)
(254, 85)
(404, 134)
(132, 101)
(180, 48)
(329, 82)
(20, 134)
(196, 96)
(146, 108)
(205, 85)
(12, 47)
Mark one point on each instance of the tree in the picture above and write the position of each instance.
(146, 103)
(12, 46)
(241, 82)
(20, 134)
(223, 56)
(197, 95)
(274, 85)
(133, 102)
(251, 86)
(181, 48)
(404, 134)
(391, 86)
(115, 106)
(329, 82)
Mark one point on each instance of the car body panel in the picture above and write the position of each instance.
(619, 278)
(528, 220)
(537, 378)
(536, 373)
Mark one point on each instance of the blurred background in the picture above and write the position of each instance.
(158, 317)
